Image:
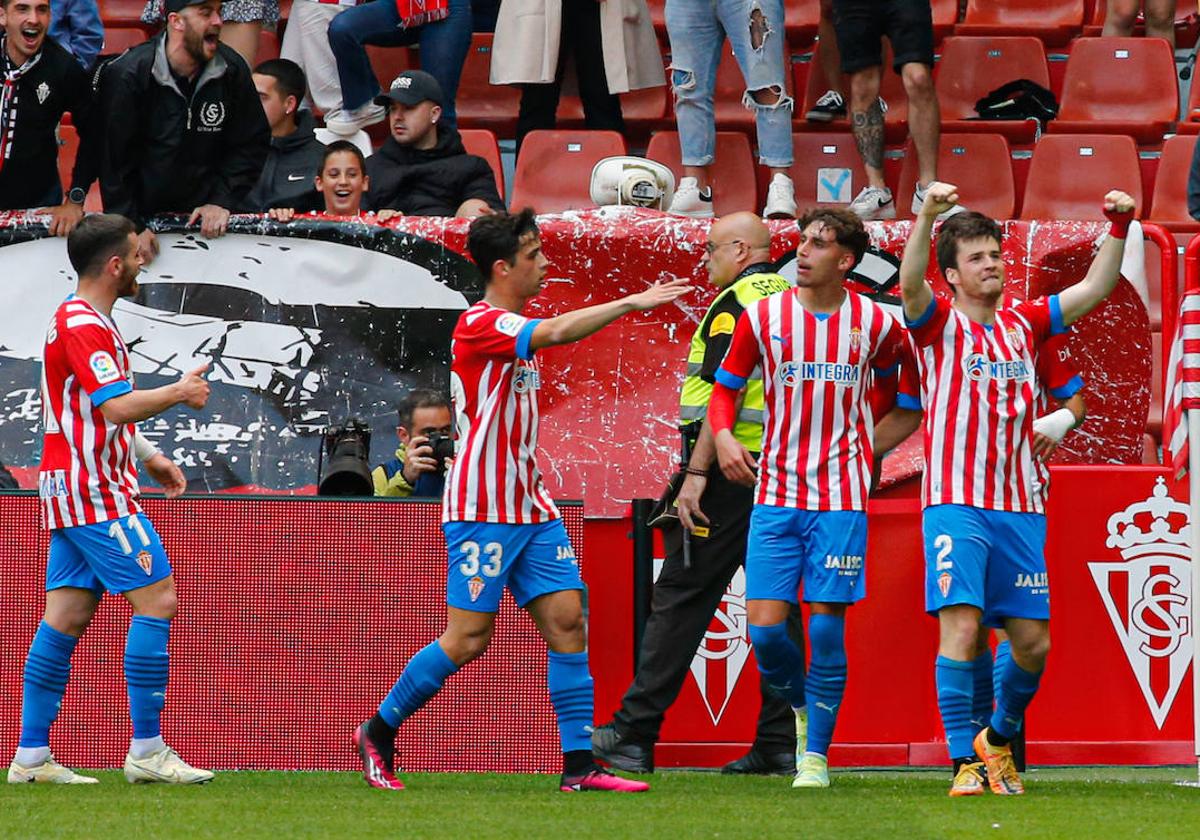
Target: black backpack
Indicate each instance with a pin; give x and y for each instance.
(1019, 100)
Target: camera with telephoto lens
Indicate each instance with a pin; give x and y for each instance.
(343, 467)
(443, 448)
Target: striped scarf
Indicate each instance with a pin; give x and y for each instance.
(8, 98)
(419, 12)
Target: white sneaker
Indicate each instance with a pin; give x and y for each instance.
(690, 201)
(781, 198)
(801, 734)
(347, 123)
(164, 766)
(873, 204)
(919, 199)
(48, 771)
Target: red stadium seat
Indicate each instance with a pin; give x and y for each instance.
(979, 164)
(1169, 206)
(482, 142)
(644, 111)
(945, 16)
(732, 173)
(390, 62)
(117, 39)
(800, 19)
(480, 104)
(1054, 21)
(1119, 86)
(658, 16)
(555, 167)
(68, 148)
(973, 67)
(891, 88)
(268, 47)
(121, 12)
(825, 165)
(1186, 21)
(1070, 173)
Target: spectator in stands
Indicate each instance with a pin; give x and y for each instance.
(422, 169)
(76, 26)
(296, 154)
(243, 22)
(442, 29)
(831, 105)
(200, 139)
(1120, 16)
(860, 26)
(339, 185)
(611, 42)
(416, 471)
(697, 32)
(41, 82)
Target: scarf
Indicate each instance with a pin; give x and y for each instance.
(8, 98)
(419, 12)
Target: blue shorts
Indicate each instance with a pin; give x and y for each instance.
(991, 559)
(118, 555)
(826, 549)
(531, 560)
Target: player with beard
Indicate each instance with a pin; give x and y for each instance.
(184, 131)
(99, 538)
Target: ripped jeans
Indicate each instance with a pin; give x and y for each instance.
(697, 29)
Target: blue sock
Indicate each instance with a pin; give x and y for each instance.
(779, 661)
(955, 681)
(570, 684)
(1014, 690)
(826, 678)
(146, 671)
(421, 679)
(1003, 657)
(981, 700)
(47, 668)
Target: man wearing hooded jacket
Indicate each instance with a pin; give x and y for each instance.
(422, 169)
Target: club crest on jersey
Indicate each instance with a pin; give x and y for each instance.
(526, 379)
(1014, 337)
(944, 580)
(146, 561)
(43, 93)
(475, 588)
(1147, 594)
(855, 338)
(791, 374)
(978, 367)
(509, 324)
(103, 367)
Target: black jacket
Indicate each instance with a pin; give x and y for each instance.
(165, 153)
(56, 84)
(291, 166)
(433, 182)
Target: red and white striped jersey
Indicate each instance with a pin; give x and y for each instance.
(87, 473)
(817, 377)
(979, 390)
(493, 384)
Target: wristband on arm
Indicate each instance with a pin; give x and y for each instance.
(1056, 424)
(143, 449)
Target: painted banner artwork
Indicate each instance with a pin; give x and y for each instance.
(308, 323)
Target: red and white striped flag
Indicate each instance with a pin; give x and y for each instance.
(1183, 382)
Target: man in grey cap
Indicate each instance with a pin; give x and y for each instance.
(422, 168)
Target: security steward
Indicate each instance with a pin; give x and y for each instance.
(705, 529)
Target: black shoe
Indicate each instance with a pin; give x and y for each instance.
(828, 108)
(763, 764)
(608, 747)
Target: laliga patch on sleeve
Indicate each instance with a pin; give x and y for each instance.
(103, 367)
(723, 324)
(510, 324)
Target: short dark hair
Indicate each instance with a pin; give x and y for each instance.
(343, 146)
(96, 239)
(419, 398)
(960, 227)
(289, 78)
(498, 237)
(848, 230)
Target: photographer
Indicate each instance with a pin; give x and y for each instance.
(426, 443)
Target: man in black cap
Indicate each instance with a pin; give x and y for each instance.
(422, 169)
(184, 131)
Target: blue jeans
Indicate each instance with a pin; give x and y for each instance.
(444, 46)
(697, 29)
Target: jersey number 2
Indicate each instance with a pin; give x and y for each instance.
(470, 566)
(118, 533)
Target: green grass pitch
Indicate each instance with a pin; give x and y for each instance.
(1073, 803)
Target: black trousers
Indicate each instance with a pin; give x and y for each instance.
(682, 606)
(580, 38)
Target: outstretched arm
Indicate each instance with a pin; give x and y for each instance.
(1102, 275)
(914, 291)
(581, 323)
(133, 406)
